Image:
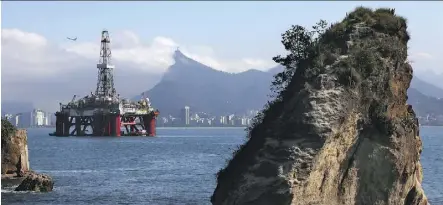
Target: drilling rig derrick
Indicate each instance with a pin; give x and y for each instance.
(103, 113)
(105, 82)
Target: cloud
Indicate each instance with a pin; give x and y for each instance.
(424, 62)
(36, 69)
(421, 55)
(157, 56)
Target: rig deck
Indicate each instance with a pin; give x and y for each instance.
(103, 113)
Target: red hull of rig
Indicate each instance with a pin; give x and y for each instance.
(103, 113)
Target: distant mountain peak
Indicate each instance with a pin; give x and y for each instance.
(179, 57)
(178, 54)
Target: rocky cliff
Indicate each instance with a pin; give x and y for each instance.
(14, 149)
(340, 130)
(15, 162)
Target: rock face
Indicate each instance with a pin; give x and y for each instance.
(36, 182)
(15, 162)
(14, 151)
(342, 132)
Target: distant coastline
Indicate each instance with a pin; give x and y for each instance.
(431, 125)
(214, 127)
(171, 127)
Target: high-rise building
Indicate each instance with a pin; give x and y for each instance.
(244, 121)
(231, 119)
(31, 121)
(37, 117)
(17, 122)
(223, 120)
(47, 120)
(185, 115)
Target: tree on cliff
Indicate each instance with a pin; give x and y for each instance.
(7, 129)
(302, 44)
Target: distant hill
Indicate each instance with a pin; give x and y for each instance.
(432, 78)
(426, 88)
(205, 89)
(423, 104)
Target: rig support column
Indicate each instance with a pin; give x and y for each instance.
(78, 126)
(132, 126)
(66, 125)
(118, 125)
(112, 125)
(152, 128)
(149, 122)
(106, 125)
(59, 124)
(98, 127)
(146, 119)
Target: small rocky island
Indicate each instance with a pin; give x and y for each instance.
(339, 131)
(15, 162)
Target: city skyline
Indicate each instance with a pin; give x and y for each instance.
(189, 118)
(41, 118)
(186, 118)
(34, 118)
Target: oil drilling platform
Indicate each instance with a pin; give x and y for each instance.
(103, 113)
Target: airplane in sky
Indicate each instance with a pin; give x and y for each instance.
(72, 39)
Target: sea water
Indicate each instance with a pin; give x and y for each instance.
(177, 167)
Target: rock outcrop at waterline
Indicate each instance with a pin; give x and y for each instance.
(341, 131)
(36, 182)
(14, 149)
(15, 162)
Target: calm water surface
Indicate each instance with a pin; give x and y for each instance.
(177, 167)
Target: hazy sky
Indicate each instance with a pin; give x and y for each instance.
(40, 64)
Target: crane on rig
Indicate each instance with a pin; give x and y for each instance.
(73, 98)
(72, 101)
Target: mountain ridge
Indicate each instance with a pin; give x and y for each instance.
(190, 83)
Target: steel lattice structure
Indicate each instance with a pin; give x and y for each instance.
(105, 81)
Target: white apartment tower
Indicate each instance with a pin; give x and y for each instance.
(186, 115)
